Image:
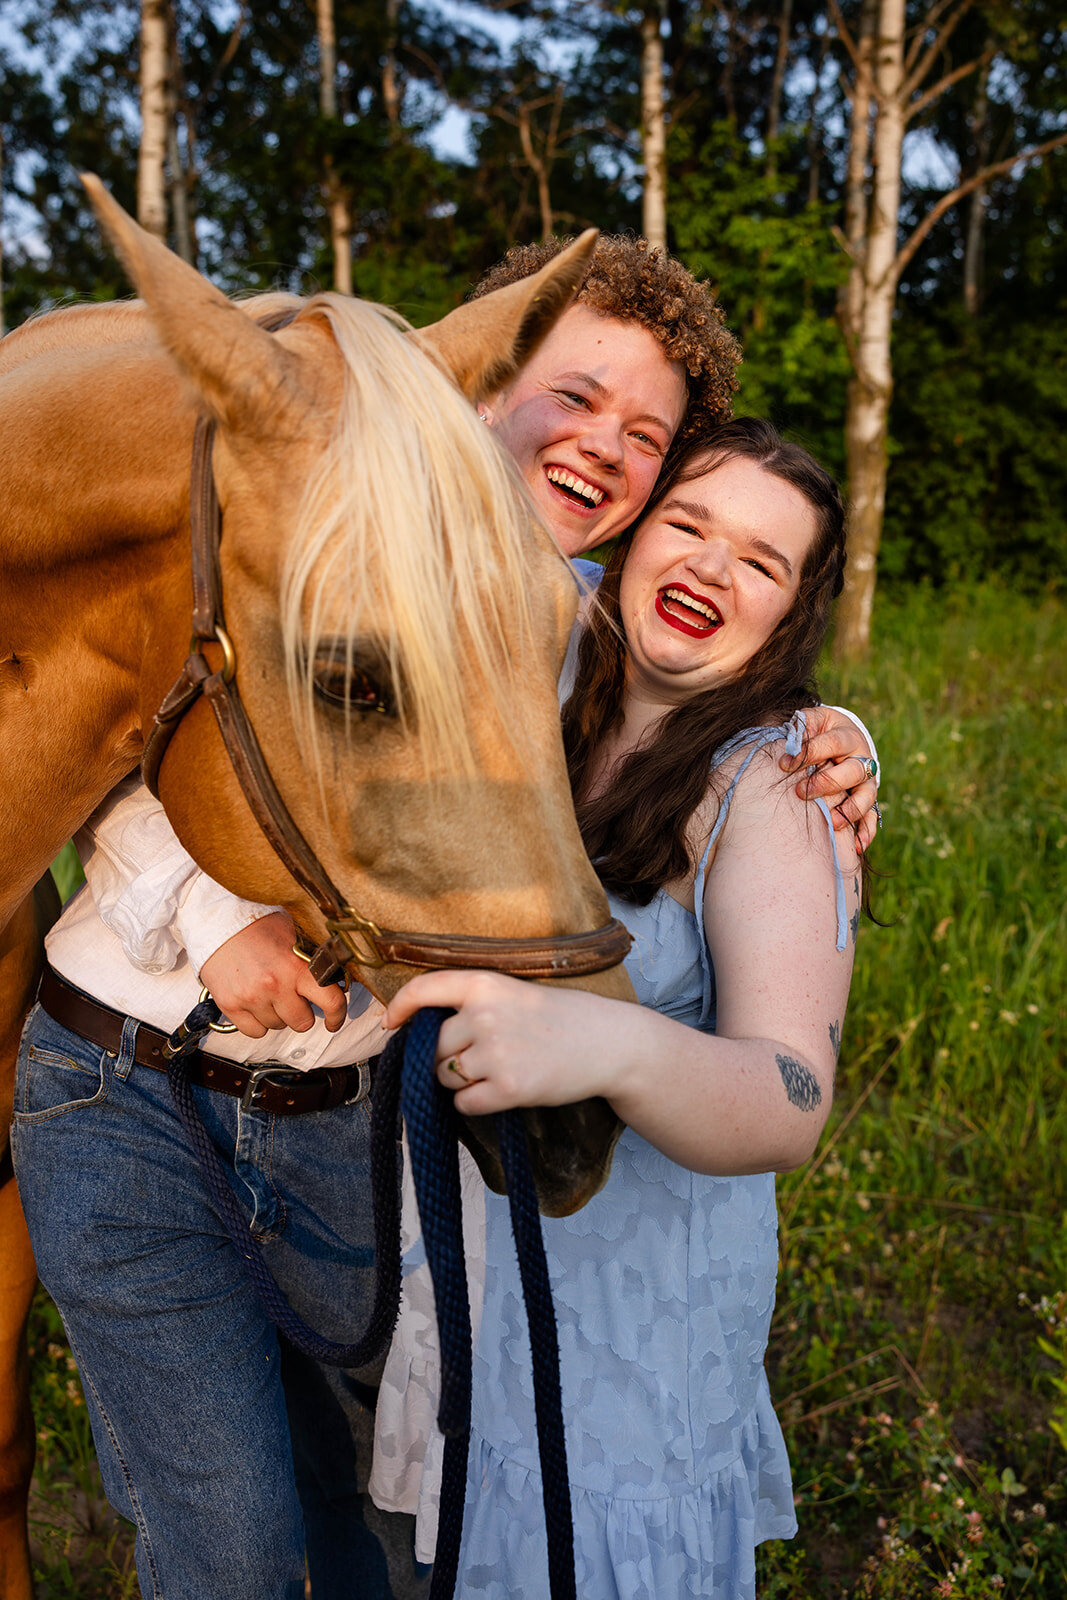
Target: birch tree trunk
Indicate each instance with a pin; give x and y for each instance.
(336, 199)
(653, 128)
(850, 309)
(876, 262)
(151, 181)
(871, 386)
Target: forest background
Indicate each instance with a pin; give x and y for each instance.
(878, 190)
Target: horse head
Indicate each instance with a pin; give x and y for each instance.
(398, 619)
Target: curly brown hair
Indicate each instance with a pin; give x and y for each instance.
(634, 282)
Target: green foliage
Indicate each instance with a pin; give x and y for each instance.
(67, 872)
(77, 122)
(737, 221)
(978, 475)
(1051, 1310)
(81, 1549)
(920, 1399)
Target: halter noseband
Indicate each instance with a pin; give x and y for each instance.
(351, 937)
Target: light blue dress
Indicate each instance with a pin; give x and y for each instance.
(664, 1288)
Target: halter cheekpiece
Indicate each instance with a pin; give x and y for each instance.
(350, 936)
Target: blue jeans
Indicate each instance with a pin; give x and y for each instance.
(231, 1454)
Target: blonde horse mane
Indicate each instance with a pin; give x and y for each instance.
(415, 534)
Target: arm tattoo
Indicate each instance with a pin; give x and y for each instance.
(801, 1085)
(854, 923)
(835, 1038)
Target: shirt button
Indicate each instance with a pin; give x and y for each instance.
(298, 1055)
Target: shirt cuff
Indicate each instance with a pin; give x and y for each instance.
(209, 915)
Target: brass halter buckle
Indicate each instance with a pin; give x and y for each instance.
(352, 924)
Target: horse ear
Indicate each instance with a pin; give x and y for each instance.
(240, 372)
(484, 342)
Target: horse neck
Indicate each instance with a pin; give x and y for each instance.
(94, 577)
(102, 419)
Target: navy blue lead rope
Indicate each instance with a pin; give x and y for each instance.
(406, 1081)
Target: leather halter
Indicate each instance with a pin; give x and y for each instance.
(351, 937)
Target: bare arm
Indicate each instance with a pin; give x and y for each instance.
(752, 1098)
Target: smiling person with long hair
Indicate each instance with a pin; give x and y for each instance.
(693, 675)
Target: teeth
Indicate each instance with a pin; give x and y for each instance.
(694, 605)
(568, 481)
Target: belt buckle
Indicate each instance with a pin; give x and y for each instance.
(364, 1084)
(270, 1072)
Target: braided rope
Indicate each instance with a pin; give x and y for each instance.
(544, 1354)
(431, 1123)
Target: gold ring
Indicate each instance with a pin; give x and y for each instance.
(454, 1066)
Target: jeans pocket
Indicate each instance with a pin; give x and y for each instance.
(58, 1073)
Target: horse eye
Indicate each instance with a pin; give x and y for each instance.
(347, 682)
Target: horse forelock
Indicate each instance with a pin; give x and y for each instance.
(415, 533)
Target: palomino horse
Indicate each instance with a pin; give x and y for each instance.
(397, 619)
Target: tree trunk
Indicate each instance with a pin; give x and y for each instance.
(151, 182)
(179, 195)
(336, 199)
(871, 388)
(972, 253)
(540, 162)
(726, 77)
(178, 169)
(653, 129)
(876, 263)
(815, 134)
(859, 148)
(390, 88)
(774, 110)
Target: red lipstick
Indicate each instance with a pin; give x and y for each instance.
(677, 613)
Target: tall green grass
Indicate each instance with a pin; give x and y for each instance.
(906, 1355)
(915, 1379)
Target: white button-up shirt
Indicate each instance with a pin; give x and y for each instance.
(137, 934)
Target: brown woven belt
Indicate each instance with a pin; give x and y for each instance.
(266, 1086)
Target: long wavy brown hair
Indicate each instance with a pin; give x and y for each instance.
(635, 830)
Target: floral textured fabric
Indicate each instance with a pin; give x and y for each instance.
(664, 1288)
